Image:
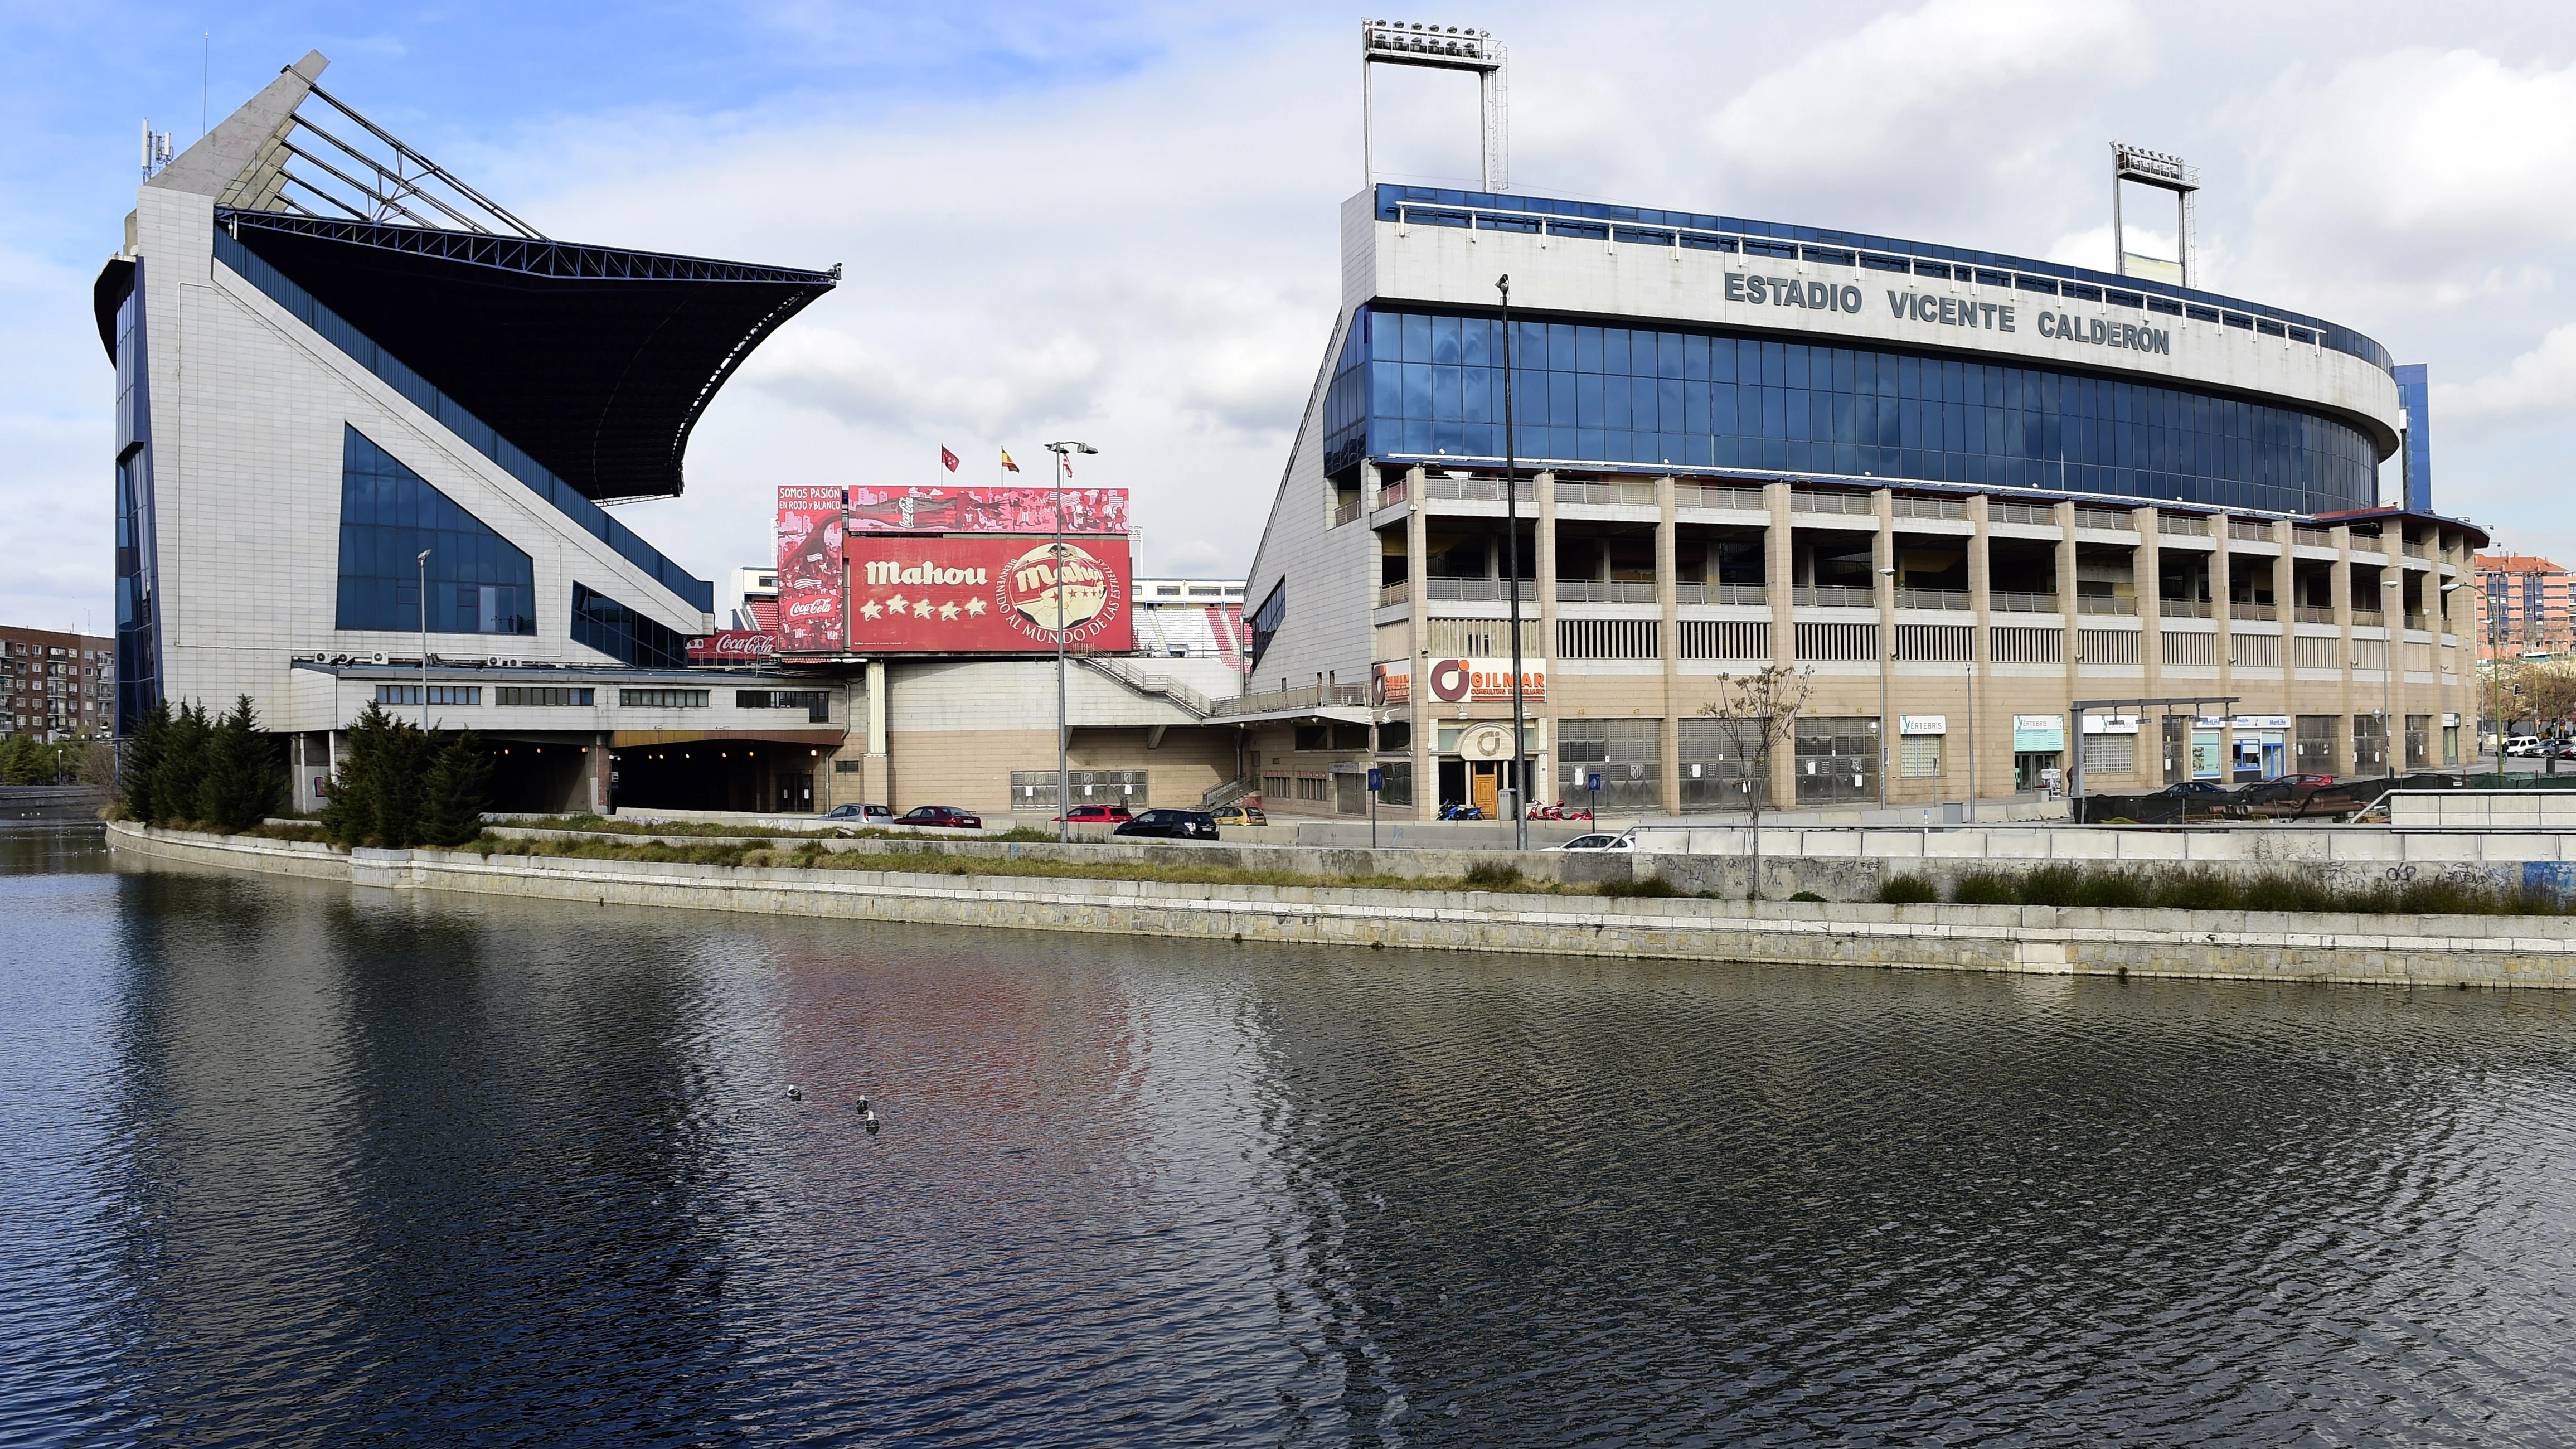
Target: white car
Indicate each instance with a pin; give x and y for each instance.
(1598, 842)
(2521, 746)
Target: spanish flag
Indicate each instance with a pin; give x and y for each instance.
(1006, 461)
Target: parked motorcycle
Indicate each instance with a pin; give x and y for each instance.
(1460, 811)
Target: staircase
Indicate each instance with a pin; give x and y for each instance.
(1225, 794)
(1190, 701)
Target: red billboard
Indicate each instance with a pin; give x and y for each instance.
(809, 569)
(984, 510)
(986, 594)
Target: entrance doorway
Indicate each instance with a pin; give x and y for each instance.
(2034, 769)
(1480, 783)
(795, 794)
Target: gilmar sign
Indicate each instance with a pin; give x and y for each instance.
(1484, 681)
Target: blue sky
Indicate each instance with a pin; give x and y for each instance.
(1118, 223)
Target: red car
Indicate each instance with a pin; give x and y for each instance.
(948, 816)
(1094, 815)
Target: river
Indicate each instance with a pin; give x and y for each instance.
(292, 1164)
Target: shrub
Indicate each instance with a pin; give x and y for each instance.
(1908, 890)
(1652, 886)
(1806, 896)
(1985, 888)
(1493, 876)
(2049, 885)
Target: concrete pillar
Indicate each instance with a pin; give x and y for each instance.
(1667, 570)
(1417, 589)
(2146, 580)
(1778, 553)
(2347, 757)
(2222, 607)
(1882, 557)
(599, 766)
(876, 769)
(1982, 779)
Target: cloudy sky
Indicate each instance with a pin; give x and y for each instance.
(1118, 222)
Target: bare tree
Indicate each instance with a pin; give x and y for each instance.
(1756, 713)
(2547, 688)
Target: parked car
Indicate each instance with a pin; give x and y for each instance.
(863, 814)
(1599, 842)
(1093, 815)
(1239, 815)
(2202, 792)
(946, 816)
(2521, 746)
(1171, 825)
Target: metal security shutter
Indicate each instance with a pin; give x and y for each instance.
(1718, 772)
(1626, 752)
(1837, 760)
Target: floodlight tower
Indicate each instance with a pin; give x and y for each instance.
(2165, 173)
(1401, 42)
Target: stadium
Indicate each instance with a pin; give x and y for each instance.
(2010, 521)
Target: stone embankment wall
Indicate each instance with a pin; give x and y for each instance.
(2230, 945)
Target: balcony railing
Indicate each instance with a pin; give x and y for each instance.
(1346, 513)
(1622, 495)
(2310, 614)
(1713, 495)
(2183, 608)
(2367, 543)
(1475, 591)
(2414, 549)
(2255, 532)
(2313, 537)
(2369, 619)
(1394, 493)
(2100, 605)
(1955, 600)
(2005, 602)
(1304, 696)
(1915, 507)
(2109, 518)
(2257, 613)
(1399, 592)
(1477, 490)
(1829, 596)
(1605, 591)
(2182, 523)
(2039, 513)
(1801, 501)
(1741, 595)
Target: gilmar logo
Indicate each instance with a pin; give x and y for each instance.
(889, 571)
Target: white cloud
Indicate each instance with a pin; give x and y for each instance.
(2538, 384)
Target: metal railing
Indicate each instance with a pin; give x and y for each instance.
(2255, 532)
(1142, 682)
(2009, 602)
(2309, 614)
(1804, 501)
(1830, 596)
(1911, 506)
(1478, 490)
(1394, 493)
(1951, 600)
(2369, 543)
(2182, 523)
(1347, 513)
(2099, 605)
(1225, 793)
(1605, 591)
(2258, 613)
(2111, 519)
(1714, 495)
(1623, 495)
(2413, 549)
(2370, 618)
(2183, 608)
(2313, 537)
(1400, 592)
(1304, 696)
(2039, 513)
(1475, 591)
(1754, 595)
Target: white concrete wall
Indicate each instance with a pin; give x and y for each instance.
(1331, 571)
(248, 411)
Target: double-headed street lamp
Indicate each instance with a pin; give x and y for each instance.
(1063, 771)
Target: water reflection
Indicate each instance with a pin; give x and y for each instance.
(308, 1165)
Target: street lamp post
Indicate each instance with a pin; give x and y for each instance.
(1512, 579)
(1063, 769)
(423, 561)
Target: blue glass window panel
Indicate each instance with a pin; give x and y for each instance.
(389, 514)
(1417, 338)
(1444, 340)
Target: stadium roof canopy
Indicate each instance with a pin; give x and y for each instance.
(596, 361)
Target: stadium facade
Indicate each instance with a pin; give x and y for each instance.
(1961, 492)
(362, 409)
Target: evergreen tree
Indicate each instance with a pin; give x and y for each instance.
(453, 797)
(181, 770)
(242, 783)
(376, 796)
(20, 760)
(143, 760)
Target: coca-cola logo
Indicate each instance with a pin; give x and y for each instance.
(813, 608)
(733, 644)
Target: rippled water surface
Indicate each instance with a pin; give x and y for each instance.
(291, 1164)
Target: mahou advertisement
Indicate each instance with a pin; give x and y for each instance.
(985, 510)
(986, 595)
(809, 570)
